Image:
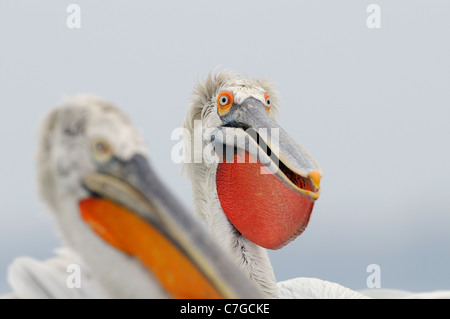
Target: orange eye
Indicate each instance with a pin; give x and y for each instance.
(101, 150)
(224, 102)
(267, 101)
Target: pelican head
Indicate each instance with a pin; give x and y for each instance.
(265, 181)
(112, 209)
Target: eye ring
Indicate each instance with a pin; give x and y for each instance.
(224, 102)
(267, 102)
(101, 150)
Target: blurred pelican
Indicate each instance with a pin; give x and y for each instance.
(128, 234)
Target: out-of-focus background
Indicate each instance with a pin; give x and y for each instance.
(372, 105)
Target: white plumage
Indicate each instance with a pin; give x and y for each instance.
(34, 279)
(314, 288)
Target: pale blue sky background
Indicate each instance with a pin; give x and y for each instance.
(372, 105)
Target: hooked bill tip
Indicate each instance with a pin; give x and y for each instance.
(315, 177)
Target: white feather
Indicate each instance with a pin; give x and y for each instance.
(33, 279)
(381, 293)
(314, 288)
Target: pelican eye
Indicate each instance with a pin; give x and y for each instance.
(101, 150)
(267, 101)
(224, 102)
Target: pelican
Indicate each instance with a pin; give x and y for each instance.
(128, 234)
(254, 186)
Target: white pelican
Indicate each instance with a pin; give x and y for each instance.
(246, 208)
(124, 229)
